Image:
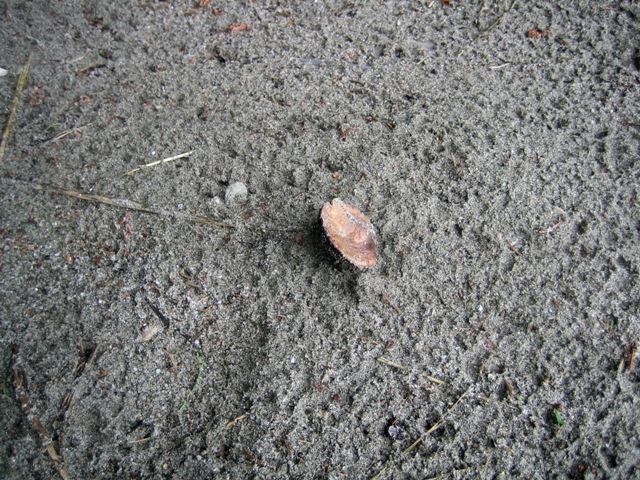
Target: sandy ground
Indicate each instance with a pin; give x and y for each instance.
(495, 147)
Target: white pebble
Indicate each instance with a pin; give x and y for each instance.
(236, 192)
(149, 332)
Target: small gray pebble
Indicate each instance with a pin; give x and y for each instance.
(236, 192)
(396, 432)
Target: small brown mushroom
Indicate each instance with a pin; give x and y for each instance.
(350, 232)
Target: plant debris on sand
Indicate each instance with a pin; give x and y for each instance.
(169, 308)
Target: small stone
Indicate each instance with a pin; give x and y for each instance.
(149, 332)
(350, 232)
(396, 432)
(236, 192)
(3, 72)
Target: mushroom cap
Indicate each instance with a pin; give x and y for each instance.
(350, 232)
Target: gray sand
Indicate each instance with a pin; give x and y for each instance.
(495, 148)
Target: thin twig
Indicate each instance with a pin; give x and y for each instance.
(632, 355)
(513, 248)
(235, 420)
(22, 79)
(548, 230)
(386, 297)
(27, 408)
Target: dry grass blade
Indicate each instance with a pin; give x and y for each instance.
(75, 130)
(436, 426)
(118, 202)
(132, 205)
(435, 380)
(165, 160)
(391, 363)
(22, 79)
(423, 436)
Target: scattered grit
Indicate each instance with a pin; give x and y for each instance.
(168, 323)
